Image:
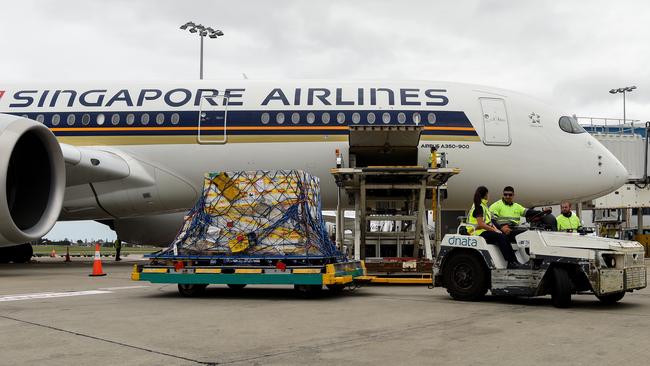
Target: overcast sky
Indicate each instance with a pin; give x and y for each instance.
(569, 53)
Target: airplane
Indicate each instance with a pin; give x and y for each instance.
(133, 155)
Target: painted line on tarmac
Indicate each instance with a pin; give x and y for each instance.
(50, 295)
(122, 288)
(117, 343)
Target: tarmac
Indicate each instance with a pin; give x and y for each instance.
(53, 313)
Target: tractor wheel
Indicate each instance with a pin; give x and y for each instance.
(465, 277)
(561, 290)
(610, 299)
(191, 290)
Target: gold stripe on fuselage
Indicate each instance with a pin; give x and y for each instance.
(190, 140)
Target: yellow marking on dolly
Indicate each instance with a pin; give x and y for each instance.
(305, 270)
(330, 269)
(331, 279)
(248, 270)
(154, 270)
(207, 270)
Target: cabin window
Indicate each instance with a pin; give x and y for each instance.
(311, 118)
(356, 118)
(130, 119)
(401, 117)
(56, 119)
(115, 119)
(71, 119)
(85, 119)
(160, 118)
(175, 118)
(371, 118)
(145, 119)
(265, 118)
(100, 119)
(40, 118)
(570, 125)
(279, 118)
(295, 118)
(385, 117)
(340, 117)
(325, 118)
(431, 118)
(417, 118)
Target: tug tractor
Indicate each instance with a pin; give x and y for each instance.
(555, 263)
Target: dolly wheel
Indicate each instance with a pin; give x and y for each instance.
(465, 277)
(610, 299)
(308, 290)
(561, 291)
(236, 286)
(336, 288)
(191, 290)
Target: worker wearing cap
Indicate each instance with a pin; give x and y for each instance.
(508, 213)
(567, 220)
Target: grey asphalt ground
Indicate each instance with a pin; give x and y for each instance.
(380, 325)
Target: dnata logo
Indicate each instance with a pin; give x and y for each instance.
(2, 92)
(460, 241)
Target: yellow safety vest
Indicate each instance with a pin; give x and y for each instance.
(472, 220)
(504, 212)
(568, 223)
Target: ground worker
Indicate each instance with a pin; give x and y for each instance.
(480, 218)
(567, 220)
(118, 247)
(433, 158)
(508, 213)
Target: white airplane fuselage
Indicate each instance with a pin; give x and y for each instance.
(175, 132)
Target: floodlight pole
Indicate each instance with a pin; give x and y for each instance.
(201, 70)
(202, 31)
(623, 91)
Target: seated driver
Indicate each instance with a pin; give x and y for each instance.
(567, 221)
(507, 213)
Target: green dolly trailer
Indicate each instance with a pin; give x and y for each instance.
(192, 278)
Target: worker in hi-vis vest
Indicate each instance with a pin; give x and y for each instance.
(480, 219)
(508, 213)
(567, 220)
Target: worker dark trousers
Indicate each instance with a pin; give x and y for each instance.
(501, 241)
(117, 254)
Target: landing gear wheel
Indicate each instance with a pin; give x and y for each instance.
(561, 289)
(6, 254)
(465, 277)
(337, 288)
(236, 286)
(610, 299)
(22, 253)
(188, 290)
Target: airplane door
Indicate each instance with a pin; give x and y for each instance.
(213, 115)
(496, 130)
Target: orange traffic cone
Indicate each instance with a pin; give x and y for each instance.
(97, 263)
(53, 253)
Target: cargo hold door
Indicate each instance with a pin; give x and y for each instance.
(213, 114)
(496, 130)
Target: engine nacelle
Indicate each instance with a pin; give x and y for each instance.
(32, 180)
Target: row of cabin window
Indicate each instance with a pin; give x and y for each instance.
(340, 118)
(100, 119)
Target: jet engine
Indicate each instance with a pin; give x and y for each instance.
(32, 180)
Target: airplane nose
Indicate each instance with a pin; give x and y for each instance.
(614, 170)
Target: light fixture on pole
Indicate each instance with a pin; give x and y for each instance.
(623, 90)
(202, 31)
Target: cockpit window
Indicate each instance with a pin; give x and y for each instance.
(570, 125)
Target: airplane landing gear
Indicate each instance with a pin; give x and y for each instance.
(18, 254)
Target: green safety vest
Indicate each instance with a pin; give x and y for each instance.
(117, 244)
(504, 212)
(568, 223)
(487, 218)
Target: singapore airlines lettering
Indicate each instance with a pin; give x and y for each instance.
(180, 97)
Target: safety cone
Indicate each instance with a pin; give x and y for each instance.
(67, 254)
(53, 253)
(97, 263)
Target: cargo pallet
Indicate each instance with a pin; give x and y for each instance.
(194, 274)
